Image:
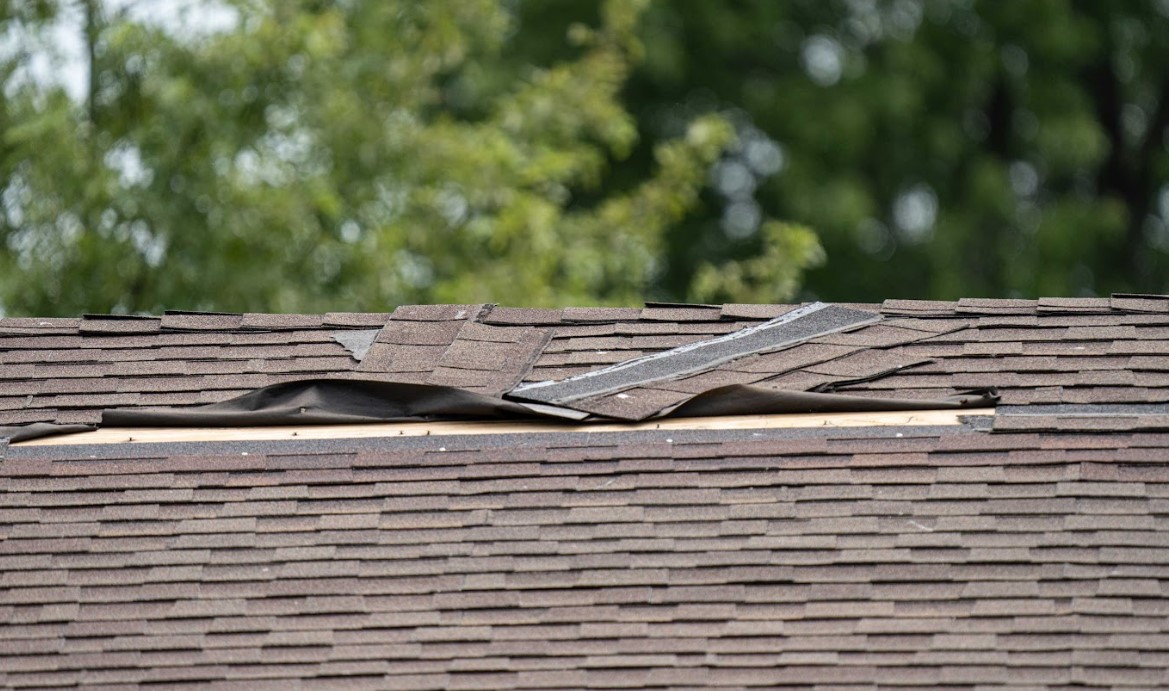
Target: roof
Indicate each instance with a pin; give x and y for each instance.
(1027, 547)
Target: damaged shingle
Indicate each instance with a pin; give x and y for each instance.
(356, 342)
(795, 326)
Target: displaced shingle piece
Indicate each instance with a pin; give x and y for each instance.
(462, 378)
(356, 319)
(176, 320)
(52, 323)
(921, 308)
(437, 312)
(521, 346)
(741, 311)
(789, 358)
(601, 314)
(1082, 423)
(706, 381)
(1073, 305)
(864, 363)
(387, 357)
(551, 373)
(356, 342)
(793, 327)
(509, 361)
(996, 306)
(420, 332)
(1011, 334)
(1101, 333)
(685, 313)
(874, 336)
(473, 331)
(479, 355)
(588, 357)
(1135, 302)
(118, 324)
(631, 404)
(678, 305)
(933, 325)
(38, 326)
(522, 316)
(1137, 347)
(862, 306)
(279, 322)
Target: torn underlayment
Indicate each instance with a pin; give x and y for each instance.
(362, 402)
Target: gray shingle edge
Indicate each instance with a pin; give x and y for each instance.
(357, 343)
(799, 325)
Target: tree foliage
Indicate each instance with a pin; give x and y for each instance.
(329, 154)
(940, 148)
(344, 155)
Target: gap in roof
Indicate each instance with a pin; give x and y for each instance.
(159, 435)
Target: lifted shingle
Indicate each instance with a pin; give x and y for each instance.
(796, 326)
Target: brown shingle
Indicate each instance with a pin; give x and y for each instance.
(1139, 303)
(944, 555)
(200, 321)
(741, 311)
(437, 312)
(922, 308)
(522, 316)
(875, 336)
(118, 324)
(996, 306)
(385, 357)
(356, 319)
(682, 313)
(420, 333)
(601, 314)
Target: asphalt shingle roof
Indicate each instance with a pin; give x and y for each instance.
(1026, 550)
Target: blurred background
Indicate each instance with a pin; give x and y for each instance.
(316, 155)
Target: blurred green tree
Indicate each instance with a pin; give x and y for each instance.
(342, 155)
(940, 148)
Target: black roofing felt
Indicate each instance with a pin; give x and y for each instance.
(352, 401)
(793, 327)
(325, 402)
(37, 430)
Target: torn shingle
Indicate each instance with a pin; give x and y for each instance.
(681, 313)
(522, 316)
(118, 324)
(280, 322)
(1073, 305)
(357, 343)
(995, 306)
(386, 357)
(1133, 302)
(174, 320)
(438, 312)
(473, 331)
(919, 308)
(601, 314)
(356, 319)
(433, 333)
(799, 325)
(740, 311)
